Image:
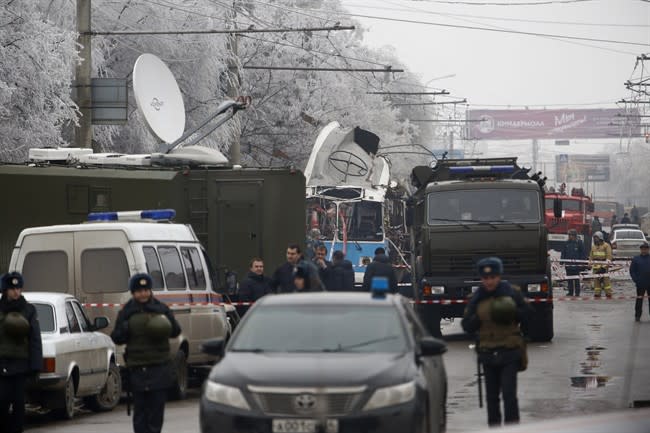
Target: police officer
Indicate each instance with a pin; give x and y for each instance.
(600, 255)
(574, 249)
(145, 325)
(495, 311)
(21, 352)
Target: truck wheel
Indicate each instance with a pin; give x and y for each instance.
(430, 317)
(110, 394)
(179, 388)
(540, 325)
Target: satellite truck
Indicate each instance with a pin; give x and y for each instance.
(237, 213)
(467, 209)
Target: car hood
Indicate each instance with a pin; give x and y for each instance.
(314, 369)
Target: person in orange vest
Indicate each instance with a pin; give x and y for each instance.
(600, 257)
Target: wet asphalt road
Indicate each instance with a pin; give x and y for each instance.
(597, 362)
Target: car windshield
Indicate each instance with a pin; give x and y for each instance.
(605, 207)
(629, 234)
(484, 205)
(321, 328)
(45, 314)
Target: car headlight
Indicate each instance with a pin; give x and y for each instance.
(226, 395)
(534, 288)
(391, 396)
(438, 290)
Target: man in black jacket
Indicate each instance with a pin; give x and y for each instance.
(380, 267)
(256, 284)
(282, 281)
(145, 325)
(21, 351)
(340, 277)
(574, 249)
(640, 273)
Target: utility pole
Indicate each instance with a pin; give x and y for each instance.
(535, 153)
(84, 132)
(233, 90)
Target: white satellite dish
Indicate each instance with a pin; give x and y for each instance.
(159, 98)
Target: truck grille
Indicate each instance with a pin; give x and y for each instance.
(513, 263)
(287, 404)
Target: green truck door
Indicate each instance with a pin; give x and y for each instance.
(236, 223)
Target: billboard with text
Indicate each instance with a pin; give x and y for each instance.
(581, 168)
(552, 124)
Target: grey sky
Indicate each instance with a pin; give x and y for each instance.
(503, 69)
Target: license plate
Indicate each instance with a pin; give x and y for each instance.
(295, 425)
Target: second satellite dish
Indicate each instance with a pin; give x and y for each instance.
(159, 98)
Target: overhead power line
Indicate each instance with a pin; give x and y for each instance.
(300, 68)
(463, 101)
(494, 30)
(216, 31)
(444, 92)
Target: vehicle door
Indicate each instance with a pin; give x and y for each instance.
(177, 295)
(79, 350)
(206, 320)
(97, 349)
(432, 366)
(46, 261)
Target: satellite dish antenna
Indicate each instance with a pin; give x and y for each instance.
(159, 98)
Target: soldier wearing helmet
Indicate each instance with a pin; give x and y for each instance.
(600, 256)
(574, 249)
(145, 325)
(21, 352)
(496, 311)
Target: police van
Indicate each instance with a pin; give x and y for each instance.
(94, 260)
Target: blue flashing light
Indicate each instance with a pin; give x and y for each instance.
(379, 287)
(158, 214)
(102, 216)
(482, 169)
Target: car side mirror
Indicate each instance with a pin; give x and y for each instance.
(408, 217)
(430, 346)
(214, 346)
(557, 208)
(100, 322)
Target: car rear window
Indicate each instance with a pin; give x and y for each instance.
(45, 314)
(629, 234)
(46, 271)
(104, 270)
(172, 267)
(322, 328)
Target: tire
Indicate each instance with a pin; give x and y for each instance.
(68, 398)
(109, 396)
(430, 317)
(540, 327)
(179, 388)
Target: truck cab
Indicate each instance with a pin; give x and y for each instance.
(465, 210)
(577, 211)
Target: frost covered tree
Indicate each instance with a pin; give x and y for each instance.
(37, 60)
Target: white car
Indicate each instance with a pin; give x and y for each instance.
(626, 241)
(78, 361)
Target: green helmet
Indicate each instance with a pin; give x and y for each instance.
(159, 327)
(504, 310)
(16, 326)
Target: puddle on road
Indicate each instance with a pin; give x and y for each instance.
(589, 382)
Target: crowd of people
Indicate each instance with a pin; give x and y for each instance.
(311, 271)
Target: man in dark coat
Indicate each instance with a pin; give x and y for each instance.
(145, 325)
(640, 273)
(282, 280)
(324, 266)
(341, 274)
(21, 351)
(574, 249)
(255, 285)
(380, 267)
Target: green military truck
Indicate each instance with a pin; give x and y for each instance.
(237, 213)
(467, 209)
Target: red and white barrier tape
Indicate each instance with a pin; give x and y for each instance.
(422, 301)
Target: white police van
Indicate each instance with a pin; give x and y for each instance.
(94, 260)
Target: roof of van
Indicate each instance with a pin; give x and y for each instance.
(135, 231)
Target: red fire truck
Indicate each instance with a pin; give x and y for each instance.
(577, 210)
